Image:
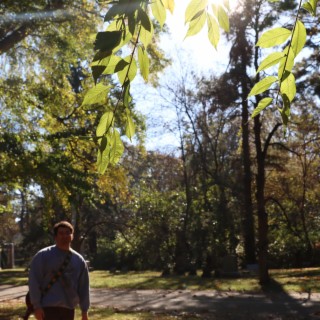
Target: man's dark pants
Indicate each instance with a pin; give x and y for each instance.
(58, 313)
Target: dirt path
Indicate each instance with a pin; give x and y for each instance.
(206, 304)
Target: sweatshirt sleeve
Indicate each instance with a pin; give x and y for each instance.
(35, 274)
(84, 289)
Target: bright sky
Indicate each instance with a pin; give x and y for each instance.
(195, 53)
(202, 54)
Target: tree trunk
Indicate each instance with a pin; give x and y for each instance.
(248, 217)
(262, 215)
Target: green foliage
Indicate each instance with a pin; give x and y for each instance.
(130, 24)
(198, 13)
(97, 94)
(262, 85)
(285, 59)
(270, 60)
(311, 6)
(265, 102)
(273, 37)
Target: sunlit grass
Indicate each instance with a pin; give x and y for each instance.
(18, 277)
(153, 280)
(299, 280)
(14, 310)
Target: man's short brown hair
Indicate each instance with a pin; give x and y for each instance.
(62, 224)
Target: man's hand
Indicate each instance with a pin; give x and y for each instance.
(85, 316)
(39, 314)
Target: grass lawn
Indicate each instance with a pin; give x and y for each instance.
(299, 280)
(15, 310)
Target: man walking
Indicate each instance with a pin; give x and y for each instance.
(59, 278)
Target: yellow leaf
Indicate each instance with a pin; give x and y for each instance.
(193, 9)
(213, 30)
(196, 24)
(299, 38)
(168, 4)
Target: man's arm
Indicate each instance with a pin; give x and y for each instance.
(84, 291)
(35, 274)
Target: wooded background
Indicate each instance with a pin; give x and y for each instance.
(235, 186)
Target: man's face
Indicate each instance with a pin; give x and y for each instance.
(63, 238)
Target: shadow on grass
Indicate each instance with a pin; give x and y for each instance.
(295, 308)
(13, 277)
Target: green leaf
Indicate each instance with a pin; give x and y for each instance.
(105, 123)
(115, 25)
(129, 71)
(144, 19)
(159, 12)
(96, 72)
(103, 143)
(313, 4)
(126, 94)
(146, 35)
(262, 85)
(307, 6)
(270, 60)
(112, 65)
(102, 162)
(104, 61)
(126, 34)
(103, 159)
(107, 40)
(112, 151)
(101, 55)
(113, 12)
(132, 23)
(213, 30)
(265, 102)
(288, 86)
(130, 126)
(287, 63)
(122, 64)
(116, 147)
(311, 7)
(196, 24)
(97, 94)
(193, 9)
(273, 37)
(223, 19)
(286, 101)
(285, 111)
(143, 63)
(299, 38)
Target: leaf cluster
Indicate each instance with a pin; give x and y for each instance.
(129, 25)
(294, 41)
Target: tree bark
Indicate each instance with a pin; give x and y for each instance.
(13, 33)
(262, 215)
